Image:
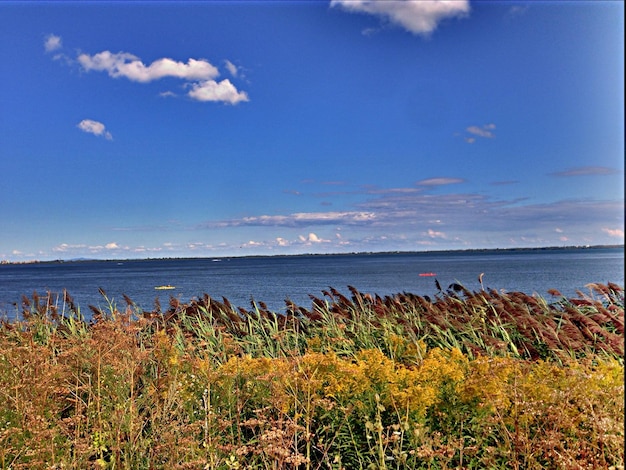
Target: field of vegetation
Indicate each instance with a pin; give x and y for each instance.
(479, 379)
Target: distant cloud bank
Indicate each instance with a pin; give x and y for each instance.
(418, 17)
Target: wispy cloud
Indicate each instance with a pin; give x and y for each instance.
(52, 43)
(95, 128)
(505, 183)
(614, 232)
(485, 131)
(459, 213)
(232, 68)
(402, 221)
(585, 171)
(108, 249)
(418, 17)
(395, 190)
(293, 192)
(517, 10)
(435, 234)
(68, 247)
(64, 247)
(439, 181)
(296, 219)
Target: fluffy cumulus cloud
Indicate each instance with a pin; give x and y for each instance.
(199, 74)
(52, 43)
(418, 17)
(210, 90)
(123, 64)
(95, 128)
(311, 238)
(280, 241)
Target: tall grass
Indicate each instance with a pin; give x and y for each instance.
(465, 380)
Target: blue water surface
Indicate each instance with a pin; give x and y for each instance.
(274, 279)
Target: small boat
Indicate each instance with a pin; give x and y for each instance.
(427, 274)
(167, 287)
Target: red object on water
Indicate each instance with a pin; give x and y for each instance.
(427, 274)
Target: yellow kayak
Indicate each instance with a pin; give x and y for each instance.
(167, 287)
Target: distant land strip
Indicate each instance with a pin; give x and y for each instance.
(352, 253)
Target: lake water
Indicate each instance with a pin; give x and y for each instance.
(273, 279)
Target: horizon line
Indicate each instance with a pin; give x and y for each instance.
(350, 253)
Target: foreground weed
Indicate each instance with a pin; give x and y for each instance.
(366, 382)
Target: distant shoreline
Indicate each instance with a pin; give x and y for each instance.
(297, 255)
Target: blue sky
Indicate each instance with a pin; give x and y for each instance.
(135, 130)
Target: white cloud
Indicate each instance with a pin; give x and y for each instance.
(63, 247)
(200, 74)
(517, 10)
(52, 43)
(232, 68)
(473, 215)
(210, 90)
(111, 246)
(124, 64)
(418, 17)
(614, 232)
(299, 219)
(95, 128)
(439, 181)
(586, 171)
(485, 131)
(311, 238)
(394, 190)
(435, 234)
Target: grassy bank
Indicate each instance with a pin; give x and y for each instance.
(465, 380)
